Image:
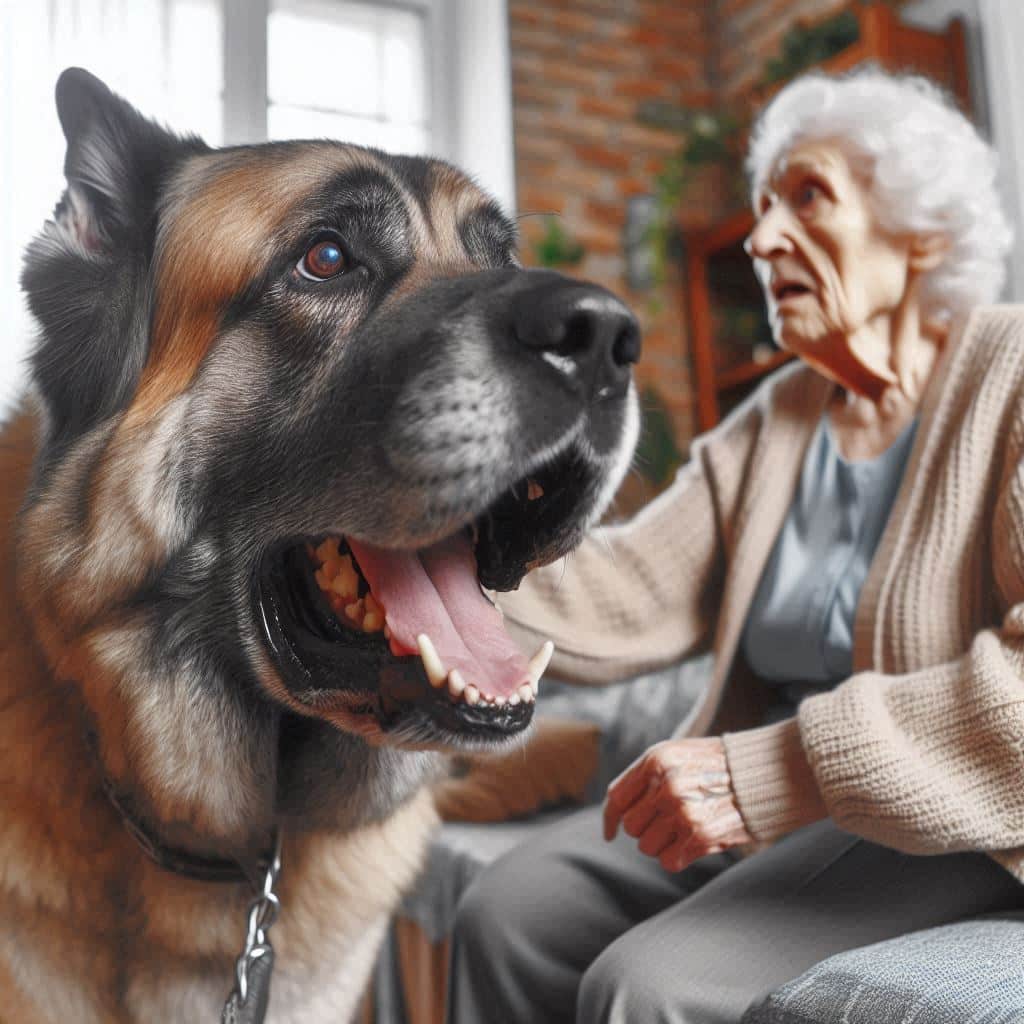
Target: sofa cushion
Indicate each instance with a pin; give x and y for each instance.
(971, 972)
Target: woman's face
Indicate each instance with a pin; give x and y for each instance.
(827, 268)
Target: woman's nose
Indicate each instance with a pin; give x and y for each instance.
(769, 237)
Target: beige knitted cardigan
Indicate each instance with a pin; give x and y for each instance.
(922, 748)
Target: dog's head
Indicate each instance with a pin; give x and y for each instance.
(300, 402)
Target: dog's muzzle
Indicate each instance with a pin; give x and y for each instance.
(488, 419)
(582, 331)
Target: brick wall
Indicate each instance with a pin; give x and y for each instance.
(580, 68)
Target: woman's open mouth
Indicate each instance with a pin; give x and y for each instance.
(399, 634)
(786, 291)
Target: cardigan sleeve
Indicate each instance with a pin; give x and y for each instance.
(640, 595)
(931, 761)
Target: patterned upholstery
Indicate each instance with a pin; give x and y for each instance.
(966, 973)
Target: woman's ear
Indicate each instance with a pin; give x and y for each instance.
(928, 251)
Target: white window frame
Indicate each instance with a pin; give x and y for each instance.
(469, 76)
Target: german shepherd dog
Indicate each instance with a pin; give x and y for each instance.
(292, 408)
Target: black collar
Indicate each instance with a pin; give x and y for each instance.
(181, 862)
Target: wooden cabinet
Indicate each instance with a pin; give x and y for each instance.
(729, 333)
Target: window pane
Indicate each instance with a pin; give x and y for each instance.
(404, 67)
(325, 56)
(195, 68)
(328, 61)
(285, 122)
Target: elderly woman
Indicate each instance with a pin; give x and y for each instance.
(850, 542)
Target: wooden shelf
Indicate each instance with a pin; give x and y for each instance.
(717, 251)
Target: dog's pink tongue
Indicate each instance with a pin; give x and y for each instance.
(435, 591)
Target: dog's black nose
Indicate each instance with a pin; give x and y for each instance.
(583, 331)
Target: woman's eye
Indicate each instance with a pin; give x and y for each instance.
(323, 259)
(807, 194)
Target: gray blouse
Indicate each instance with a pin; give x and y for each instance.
(799, 631)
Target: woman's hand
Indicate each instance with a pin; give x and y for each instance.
(677, 799)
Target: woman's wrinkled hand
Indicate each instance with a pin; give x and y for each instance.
(677, 799)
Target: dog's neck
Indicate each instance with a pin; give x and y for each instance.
(209, 771)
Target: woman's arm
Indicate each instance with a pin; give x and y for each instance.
(640, 595)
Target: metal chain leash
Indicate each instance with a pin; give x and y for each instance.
(247, 1003)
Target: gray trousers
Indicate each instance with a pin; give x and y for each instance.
(567, 927)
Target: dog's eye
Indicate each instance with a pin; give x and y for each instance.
(324, 258)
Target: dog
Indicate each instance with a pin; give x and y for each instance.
(294, 409)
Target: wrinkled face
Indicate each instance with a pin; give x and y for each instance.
(301, 407)
(827, 267)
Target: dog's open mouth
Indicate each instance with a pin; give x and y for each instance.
(404, 633)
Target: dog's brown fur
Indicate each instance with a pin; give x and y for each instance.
(92, 930)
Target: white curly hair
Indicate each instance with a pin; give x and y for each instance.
(927, 168)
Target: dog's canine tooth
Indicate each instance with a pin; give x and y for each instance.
(525, 693)
(456, 684)
(539, 663)
(472, 694)
(431, 661)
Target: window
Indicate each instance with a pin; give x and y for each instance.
(408, 76)
(163, 54)
(353, 71)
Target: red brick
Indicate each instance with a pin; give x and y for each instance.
(599, 239)
(646, 37)
(677, 67)
(638, 186)
(642, 88)
(577, 22)
(538, 41)
(586, 129)
(610, 214)
(584, 181)
(538, 199)
(527, 14)
(535, 95)
(532, 146)
(690, 12)
(649, 140)
(614, 56)
(604, 156)
(612, 108)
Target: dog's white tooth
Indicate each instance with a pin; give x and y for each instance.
(539, 663)
(472, 694)
(526, 693)
(456, 684)
(500, 701)
(514, 700)
(431, 661)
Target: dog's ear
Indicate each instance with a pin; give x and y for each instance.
(87, 276)
(115, 162)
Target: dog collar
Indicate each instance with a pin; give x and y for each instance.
(181, 862)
